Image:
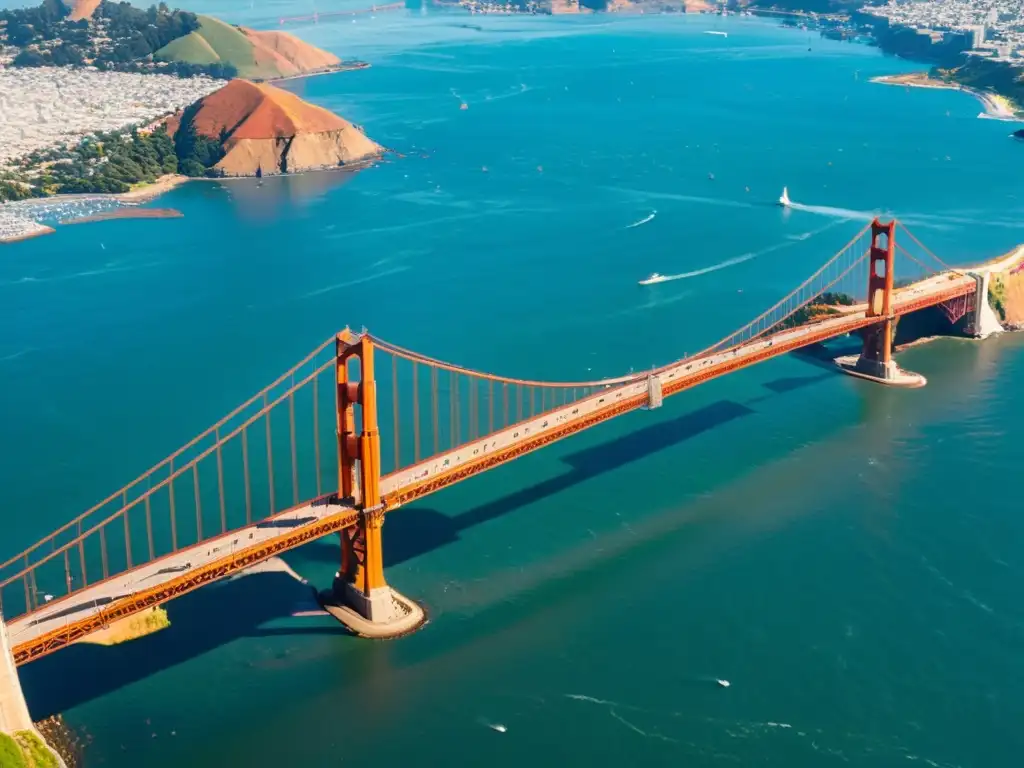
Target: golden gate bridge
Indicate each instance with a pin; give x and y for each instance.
(360, 427)
(317, 15)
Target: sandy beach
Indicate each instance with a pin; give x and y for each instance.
(997, 107)
(146, 192)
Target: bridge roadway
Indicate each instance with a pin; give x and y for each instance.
(74, 616)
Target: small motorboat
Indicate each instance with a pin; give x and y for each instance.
(654, 278)
(784, 200)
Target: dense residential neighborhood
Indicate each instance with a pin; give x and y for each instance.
(49, 106)
(996, 27)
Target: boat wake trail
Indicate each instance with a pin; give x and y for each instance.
(356, 281)
(846, 214)
(815, 232)
(643, 221)
(753, 254)
(715, 267)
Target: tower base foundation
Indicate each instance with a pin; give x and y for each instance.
(889, 373)
(384, 613)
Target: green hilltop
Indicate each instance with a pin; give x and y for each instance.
(216, 42)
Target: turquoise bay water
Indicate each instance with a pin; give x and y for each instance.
(847, 556)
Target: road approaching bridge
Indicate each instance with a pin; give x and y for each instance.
(447, 424)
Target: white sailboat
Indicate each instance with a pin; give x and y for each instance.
(784, 199)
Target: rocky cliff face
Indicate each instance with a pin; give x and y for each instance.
(1006, 293)
(266, 128)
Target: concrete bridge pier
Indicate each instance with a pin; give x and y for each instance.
(875, 363)
(360, 598)
(983, 321)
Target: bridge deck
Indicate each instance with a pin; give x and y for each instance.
(501, 446)
(89, 609)
(72, 617)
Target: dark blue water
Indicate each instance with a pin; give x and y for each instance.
(845, 555)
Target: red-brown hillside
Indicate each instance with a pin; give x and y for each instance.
(286, 53)
(259, 111)
(273, 129)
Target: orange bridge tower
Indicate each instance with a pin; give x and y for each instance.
(360, 597)
(875, 361)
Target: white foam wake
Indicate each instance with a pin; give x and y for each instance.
(846, 214)
(753, 254)
(714, 267)
(643, 221)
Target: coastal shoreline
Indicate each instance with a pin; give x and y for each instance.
(350, 67)
(996, 107)
(146, 192)
(38, 231)
(143, 193)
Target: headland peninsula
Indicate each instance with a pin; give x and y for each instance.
(977, 45)
(995, 105)
(101, 98)
(116, 36)
(240, 129)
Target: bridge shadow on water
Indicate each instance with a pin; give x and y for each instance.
(221, 613)
(417, 530)
(201, 621)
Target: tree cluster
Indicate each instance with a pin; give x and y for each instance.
(816, 308)
(997, 76)
(110, 163)
(197, 154)
(139, 33)
(27, 25)
(120, 37)
(113, 162)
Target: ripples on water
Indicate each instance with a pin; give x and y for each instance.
(844, 555)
